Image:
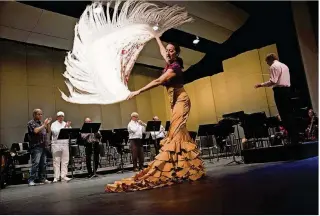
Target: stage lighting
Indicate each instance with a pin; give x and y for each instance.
(156, 27)
(196, 41)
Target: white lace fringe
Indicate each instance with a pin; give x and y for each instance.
(94, 24)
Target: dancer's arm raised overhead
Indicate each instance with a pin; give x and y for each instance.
(163, 50)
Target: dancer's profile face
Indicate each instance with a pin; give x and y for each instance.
(171, 52)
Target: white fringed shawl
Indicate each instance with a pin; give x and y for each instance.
(105, 49)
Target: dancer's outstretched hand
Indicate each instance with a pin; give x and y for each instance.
(133, 94)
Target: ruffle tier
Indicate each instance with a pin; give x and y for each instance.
(177, 161)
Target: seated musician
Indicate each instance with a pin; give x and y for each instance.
(89, 140)
(136, 128)
(158, 135)
(312, 129)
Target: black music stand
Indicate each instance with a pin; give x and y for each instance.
(107, 136)
(121, 137)
(167, 126)
(255, 126)
(153, 126)
(69, 133)
(226, 128)
(91, 128)
(236, 117)
(208, 130)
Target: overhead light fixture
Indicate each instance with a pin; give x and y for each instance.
(196, 41)
(156, 27)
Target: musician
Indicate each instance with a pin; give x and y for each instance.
(312, 129)
(157, 135)
(60, 149)
(280, 81)
(89, 140)
(136, 128)
(37, 132)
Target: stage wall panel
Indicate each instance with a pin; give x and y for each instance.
(30, 77)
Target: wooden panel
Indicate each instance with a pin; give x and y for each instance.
(126, 108)
(39, 66)
(43, 98)
(14, 106)
(204, 100)
(143, 100)
(90, 111)
(158, 104)
(13, 66)
(220, 94)
(111, 116)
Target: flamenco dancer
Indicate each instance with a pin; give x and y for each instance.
(179, 157)
(98, 69)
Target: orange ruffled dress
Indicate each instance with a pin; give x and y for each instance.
(179, 158)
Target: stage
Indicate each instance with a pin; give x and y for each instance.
(265, 188)
(281, 153)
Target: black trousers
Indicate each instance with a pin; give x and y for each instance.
(285, 109)
(157, 145)
(88, 150)
(137, 153)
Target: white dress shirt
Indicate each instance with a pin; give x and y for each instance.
(279, 75)
(158, 134)
(55, 130)
(135, 130)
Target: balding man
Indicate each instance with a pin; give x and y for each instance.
(136, 128)
(91, 141)
(37, 132)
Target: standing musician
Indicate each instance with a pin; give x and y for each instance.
(89, 139)
(60, 149)
(136, 128)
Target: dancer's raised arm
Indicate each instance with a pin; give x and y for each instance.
(163, 50)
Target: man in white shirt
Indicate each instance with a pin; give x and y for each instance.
(136, 128)
(157, 135)
(280, 82)
(60, 149)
